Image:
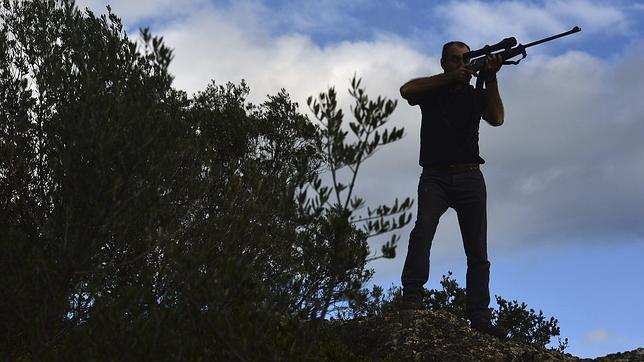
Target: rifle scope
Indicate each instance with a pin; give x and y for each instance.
(506, 44)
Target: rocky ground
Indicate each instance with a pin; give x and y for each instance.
(425, 335)
(634, 355)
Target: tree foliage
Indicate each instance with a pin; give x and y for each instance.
(140, 223)
(370, 116)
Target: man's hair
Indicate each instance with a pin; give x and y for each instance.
(449, 44)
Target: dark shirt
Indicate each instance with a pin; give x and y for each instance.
(449, 132)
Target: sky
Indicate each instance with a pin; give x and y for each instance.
(564, 174)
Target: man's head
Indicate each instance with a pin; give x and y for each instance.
(452, 56)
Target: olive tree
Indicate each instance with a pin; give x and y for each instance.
(140, 222)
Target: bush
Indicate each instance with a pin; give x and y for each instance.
(524, 324)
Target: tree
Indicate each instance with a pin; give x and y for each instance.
(338, 153)
(138, 222)
(370, 116)
(86, 168)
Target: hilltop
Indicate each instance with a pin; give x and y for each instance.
(425, 335)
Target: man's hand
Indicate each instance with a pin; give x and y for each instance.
(461, 75)
(493, 63)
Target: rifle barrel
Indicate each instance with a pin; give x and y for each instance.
(571, 31)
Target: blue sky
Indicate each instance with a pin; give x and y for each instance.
(564, 173)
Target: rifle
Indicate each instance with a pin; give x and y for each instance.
(510, 50)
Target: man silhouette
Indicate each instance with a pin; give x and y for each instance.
(449, 155)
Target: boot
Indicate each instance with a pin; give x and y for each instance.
(411, 302)
(486, 327)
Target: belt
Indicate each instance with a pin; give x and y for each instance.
(459, 167)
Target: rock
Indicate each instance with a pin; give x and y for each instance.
(634, 355)
(424, 335)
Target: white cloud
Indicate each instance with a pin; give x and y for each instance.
(599, 17)
(597, 335)
(214, 45)
(484, 22)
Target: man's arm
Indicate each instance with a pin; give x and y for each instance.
(493, 112)
(414, 90)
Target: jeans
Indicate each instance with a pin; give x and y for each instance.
(465, 192)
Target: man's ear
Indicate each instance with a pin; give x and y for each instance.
(442, 63)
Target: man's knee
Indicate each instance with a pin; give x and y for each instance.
(423, 229)
(478, 263)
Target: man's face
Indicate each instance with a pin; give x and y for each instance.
(453, 58)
